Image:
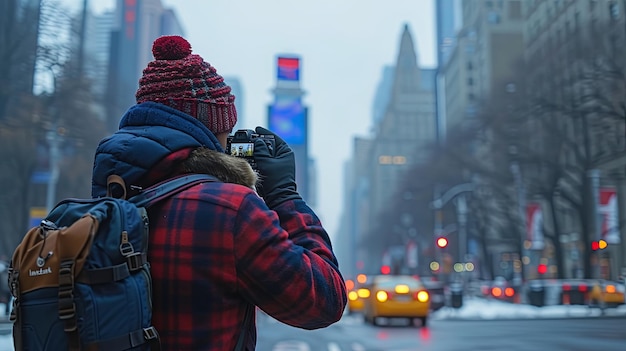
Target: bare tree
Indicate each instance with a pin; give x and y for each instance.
(18, 41)
(64, 107)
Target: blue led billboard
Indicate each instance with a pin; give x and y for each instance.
(287, 118)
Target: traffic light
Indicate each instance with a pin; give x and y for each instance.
(385, 269)
(442, 242)
(598, 245)
(542, 268)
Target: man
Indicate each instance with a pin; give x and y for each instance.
(218, 249)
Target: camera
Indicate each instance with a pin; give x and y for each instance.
(241, 144)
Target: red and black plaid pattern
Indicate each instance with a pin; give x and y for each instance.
(186, 82)
(216, 247)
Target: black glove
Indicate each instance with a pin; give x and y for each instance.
(277, 168)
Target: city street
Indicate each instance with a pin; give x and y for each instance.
(446, 335)
(479, 325)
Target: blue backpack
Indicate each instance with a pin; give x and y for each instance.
(81, 280)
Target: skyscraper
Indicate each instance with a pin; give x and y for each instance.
(97, 47)
(446, 29)
(446, 40)
(137, 24)
(288, 117)
(407, 123)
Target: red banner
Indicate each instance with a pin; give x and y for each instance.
(607, 210)
(534, 225)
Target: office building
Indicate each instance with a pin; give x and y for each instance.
(137, 23)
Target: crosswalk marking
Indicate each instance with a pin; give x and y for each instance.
(296, 345)
(291, 345)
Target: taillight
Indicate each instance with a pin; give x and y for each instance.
(382, 296)
(509, 292)
(496, 291)
(422, 296)
(582, 288)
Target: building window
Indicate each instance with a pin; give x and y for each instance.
(470, 81)
(515, 10)
(384, 159)
(389, 159)
(493, 17)
(399, 160)
(614, 10)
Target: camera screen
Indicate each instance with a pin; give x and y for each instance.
(242, 149)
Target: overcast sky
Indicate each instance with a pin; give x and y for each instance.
(343, 45)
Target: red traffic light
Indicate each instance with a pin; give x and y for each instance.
(385, 269)
(595, 246)
(542, 269)
(442, 242)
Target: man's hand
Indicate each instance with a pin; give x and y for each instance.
(277, 169)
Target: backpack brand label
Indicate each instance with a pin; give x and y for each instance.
(40, 271)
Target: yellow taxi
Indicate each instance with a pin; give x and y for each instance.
(357, 293)
(606, 293)
(396, 296)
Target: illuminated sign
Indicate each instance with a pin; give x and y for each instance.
(288, 68)
(288, 120)
(130, 16)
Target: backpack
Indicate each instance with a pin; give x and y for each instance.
(81, 279)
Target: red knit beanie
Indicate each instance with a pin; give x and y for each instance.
(184, 81)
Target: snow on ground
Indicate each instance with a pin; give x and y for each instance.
(479, 308)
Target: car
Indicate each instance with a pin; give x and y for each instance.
(436, 290)
(396, 296)
(356, 297)
(575, 291)
(356, 293)
(606, 293)
(499, 289)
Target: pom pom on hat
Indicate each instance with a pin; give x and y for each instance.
(171, 47)
(186, 82)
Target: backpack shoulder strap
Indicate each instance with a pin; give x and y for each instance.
(158, 192)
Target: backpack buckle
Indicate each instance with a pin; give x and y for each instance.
(150, 333)
(135, 261)
(126, 248)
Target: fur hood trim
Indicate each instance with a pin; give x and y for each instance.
(227, 168)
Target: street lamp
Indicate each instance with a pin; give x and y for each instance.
(458, 193)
